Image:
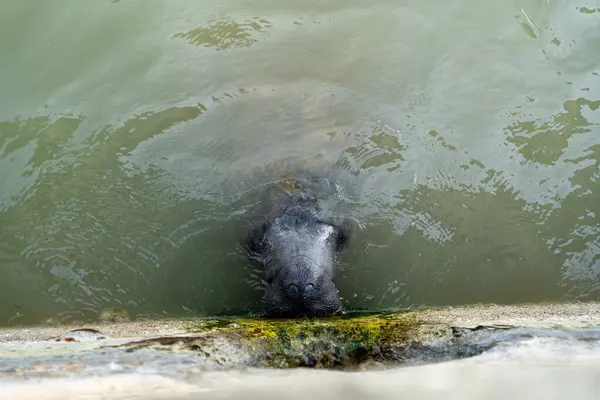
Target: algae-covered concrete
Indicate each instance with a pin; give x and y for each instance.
(124, 352)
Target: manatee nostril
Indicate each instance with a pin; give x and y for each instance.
(293, 289)
(309, 288)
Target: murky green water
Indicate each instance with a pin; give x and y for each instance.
(133, 134)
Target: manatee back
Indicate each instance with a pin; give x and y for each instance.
(293, 209)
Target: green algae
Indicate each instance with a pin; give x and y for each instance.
(340, 341)
(112, 315)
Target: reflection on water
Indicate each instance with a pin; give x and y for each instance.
(226, 34)
(377, 149)
(545, 143)
(466, 140)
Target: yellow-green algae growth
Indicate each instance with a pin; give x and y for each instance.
(343, 341)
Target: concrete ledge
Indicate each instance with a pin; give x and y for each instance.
(486, 351)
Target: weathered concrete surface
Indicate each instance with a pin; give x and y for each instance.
(481, 352)
(456, 380)
(533, 315)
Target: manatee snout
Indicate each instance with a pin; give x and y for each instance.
(302, 289)
(300, 280)
(296, 291)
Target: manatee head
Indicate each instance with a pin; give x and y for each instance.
(299, 248)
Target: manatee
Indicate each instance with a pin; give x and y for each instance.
(299, 250)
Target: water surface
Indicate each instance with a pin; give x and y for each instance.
(135, 135)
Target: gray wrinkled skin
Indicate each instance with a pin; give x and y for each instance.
(299, 251)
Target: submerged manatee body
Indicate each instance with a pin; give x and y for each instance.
(299, 251)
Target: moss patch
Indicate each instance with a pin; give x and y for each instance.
(341, 341)
(112, 315)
